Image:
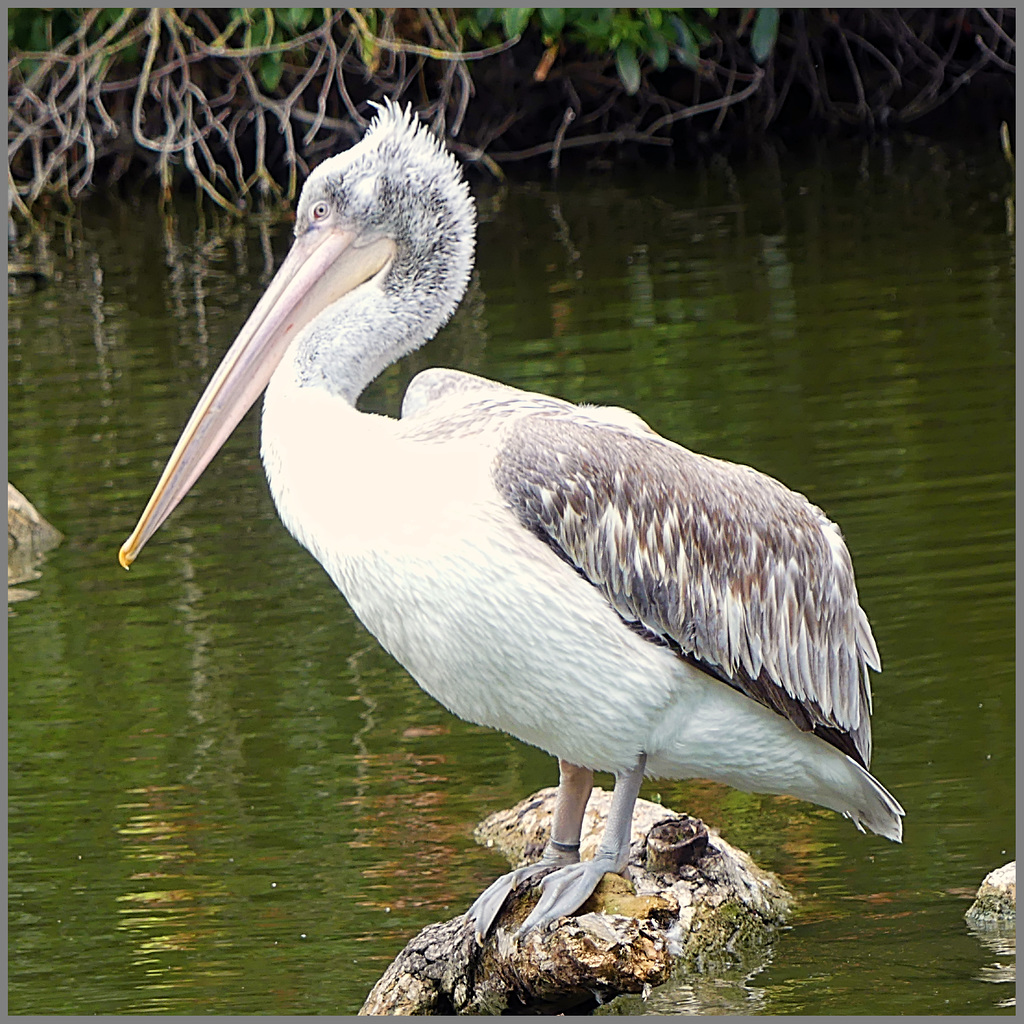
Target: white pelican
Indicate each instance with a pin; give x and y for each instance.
(559, 572)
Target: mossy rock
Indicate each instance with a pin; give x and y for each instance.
(996, 902)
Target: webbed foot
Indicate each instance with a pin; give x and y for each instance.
(566, 889)
(569, 882)
(487, 906)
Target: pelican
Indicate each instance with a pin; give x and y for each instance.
(559, 572)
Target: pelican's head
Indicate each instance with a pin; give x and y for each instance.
(383, 248)
(400, 197)
(398, 205)
(400, 188)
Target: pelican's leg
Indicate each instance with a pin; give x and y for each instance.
(568, 888)
(574, 786)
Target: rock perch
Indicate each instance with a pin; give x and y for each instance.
(690, 896)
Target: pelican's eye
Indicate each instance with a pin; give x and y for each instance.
(319, 211)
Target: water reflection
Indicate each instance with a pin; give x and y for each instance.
(224, 796)
(999, 941)
(731, 989)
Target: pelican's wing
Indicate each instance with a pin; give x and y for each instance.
(741, 576)
(436, 385)
(444, 404)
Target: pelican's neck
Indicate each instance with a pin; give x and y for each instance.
(343, 350)
(310, 416)
(320, 453)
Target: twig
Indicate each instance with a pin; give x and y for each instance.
(894, 73)
(428, 51)
(999, 30)
(624, 135)
(567, 119)
(724, 102)
(704, 108)
(863, 110)
(993, 56)
(196, 105)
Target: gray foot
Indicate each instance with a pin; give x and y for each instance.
(565, 890)
(569, 883)
(488, 904)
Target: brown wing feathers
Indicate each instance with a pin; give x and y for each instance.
(741, 576)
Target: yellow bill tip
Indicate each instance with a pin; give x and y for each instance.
(126, 555)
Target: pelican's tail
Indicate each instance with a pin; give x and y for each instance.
(870, 805)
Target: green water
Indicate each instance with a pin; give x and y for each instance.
(225, 798)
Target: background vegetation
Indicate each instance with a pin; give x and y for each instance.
(241, 102)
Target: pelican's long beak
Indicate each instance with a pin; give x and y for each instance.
(324, 263)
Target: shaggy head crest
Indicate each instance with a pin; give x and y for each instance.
(400, 150)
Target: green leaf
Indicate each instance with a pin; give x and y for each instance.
(262, 27)
(271, 67)
(592, 24)
(515, 19)
(28, 28)
(104, 20)
(552, 21)
(701, 33)
(625, 28)
(657, 49)
(688, 51)
(628, 67)
(766, 31)
(43, 35)
(484, 17)
(295, 18)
